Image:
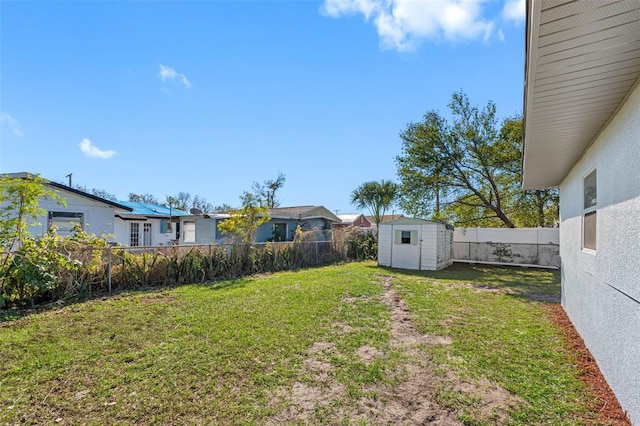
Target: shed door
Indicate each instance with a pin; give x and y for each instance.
(406, 248)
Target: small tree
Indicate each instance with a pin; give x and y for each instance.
(377, 197)
(20, 209)
(242, 223)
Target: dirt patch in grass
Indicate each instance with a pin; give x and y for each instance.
(491, 401)
(321, 398)
(606, 405)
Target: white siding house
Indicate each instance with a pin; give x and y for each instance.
(94, 214)
(419, 244)
(147, 225)
(582, 134)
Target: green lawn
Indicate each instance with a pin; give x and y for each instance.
(231, 352)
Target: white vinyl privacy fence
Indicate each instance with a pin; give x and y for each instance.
(528, 246)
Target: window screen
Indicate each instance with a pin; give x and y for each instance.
(589, 219)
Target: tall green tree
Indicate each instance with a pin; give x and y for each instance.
(242, 223)
(377, 197)
(468, 170)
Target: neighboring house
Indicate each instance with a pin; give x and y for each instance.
(147, 225)
(358, 220)
(418, 244)
(582, 135)
(94, 214)
(202, 229)
(284, 221)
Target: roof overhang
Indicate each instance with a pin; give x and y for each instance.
(582, 62)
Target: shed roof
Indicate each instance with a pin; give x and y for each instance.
(385, 218)
(582, 61)
(413, 221)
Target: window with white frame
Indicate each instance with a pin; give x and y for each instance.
(65, 222)
(406, 237)
(589, 217)
(134, 235)
(146, 234)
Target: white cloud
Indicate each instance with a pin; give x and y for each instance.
(93, 151)
(6, 120)
(514, 10)
(402, 24)
(168, 73)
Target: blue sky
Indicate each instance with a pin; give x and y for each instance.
(207, 97)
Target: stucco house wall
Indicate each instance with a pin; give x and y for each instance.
(601, 288)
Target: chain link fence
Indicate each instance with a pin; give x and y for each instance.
(80, 271)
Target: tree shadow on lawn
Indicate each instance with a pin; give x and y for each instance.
(12, 314)
(532, 284)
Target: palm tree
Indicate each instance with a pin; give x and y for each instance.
(377, 197)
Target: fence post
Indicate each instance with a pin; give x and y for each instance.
(109, 269)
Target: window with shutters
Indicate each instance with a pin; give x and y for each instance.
(406, 237)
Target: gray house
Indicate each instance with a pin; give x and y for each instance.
(582, 135)
(285, 220)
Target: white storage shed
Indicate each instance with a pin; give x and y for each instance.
(420, 244)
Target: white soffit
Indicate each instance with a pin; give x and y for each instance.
(583, 59)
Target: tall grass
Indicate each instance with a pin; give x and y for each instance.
(89, 269)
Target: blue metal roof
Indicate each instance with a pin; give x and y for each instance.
(147, 209)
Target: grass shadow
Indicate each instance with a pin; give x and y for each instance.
(15, 313)
(542, 285)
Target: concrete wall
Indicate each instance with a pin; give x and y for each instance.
(601, 288)
(533, 246)
(508, 235)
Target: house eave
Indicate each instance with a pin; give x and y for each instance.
(582, 63)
